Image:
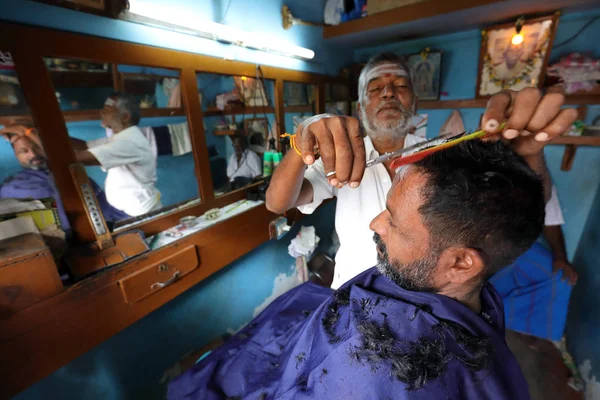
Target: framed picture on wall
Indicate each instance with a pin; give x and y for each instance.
(425, 69)
(506, 65)
(257, 130)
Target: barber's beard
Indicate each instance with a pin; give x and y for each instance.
(395, 129)
(415, 276)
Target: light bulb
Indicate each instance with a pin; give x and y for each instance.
(517, 39)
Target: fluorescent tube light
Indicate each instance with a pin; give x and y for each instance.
(178, 21)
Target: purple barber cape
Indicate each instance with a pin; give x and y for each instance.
(40, 184)
(370, 339)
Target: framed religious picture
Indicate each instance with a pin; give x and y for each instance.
(425, 70)
(507, 63)
(257, 130)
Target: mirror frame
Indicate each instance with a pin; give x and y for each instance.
(29, 46)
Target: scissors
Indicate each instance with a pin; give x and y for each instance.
(413, 149)
(421, 150)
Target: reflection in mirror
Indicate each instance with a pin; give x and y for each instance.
(300, 103)
(137, 155)
(30, 204)
(240, 129)
(337, 99)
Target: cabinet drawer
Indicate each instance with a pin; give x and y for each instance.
(161, 274)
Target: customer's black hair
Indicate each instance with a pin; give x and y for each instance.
(483, 196)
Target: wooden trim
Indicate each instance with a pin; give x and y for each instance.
(309, 108)
(279, 109)
(117, 81)
(189, 92)
(411, 12)
(83, 316)
(212, 111)
(577, 140)
(568, 157)
(443, 104)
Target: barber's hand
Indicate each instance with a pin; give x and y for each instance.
(532, 120)
(569, 273)
(339, 144)
(14, 132)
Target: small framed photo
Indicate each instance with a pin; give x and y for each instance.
(505, 63)
(425, 69)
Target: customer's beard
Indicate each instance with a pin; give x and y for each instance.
(42, 166)
(395, 128)
(414, 276)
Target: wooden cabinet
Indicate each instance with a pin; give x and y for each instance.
(27, 273)
(159, 275)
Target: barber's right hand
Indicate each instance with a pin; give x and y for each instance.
(338, 141)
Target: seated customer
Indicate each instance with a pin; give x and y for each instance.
(424, 324)
(244, 165)
(35, 180)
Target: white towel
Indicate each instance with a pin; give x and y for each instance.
(180, 138)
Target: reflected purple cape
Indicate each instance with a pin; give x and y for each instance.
(357, 343)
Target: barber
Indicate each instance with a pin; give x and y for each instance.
(126, 156)
(386, 105)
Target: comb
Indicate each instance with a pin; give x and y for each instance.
(400, 161)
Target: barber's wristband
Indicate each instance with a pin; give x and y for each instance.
(292, 143)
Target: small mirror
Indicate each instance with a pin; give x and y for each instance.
(299, 102)
(239, 123)
(128, 126)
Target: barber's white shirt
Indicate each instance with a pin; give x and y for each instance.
(131, 171)
(249, 166)
(554, 215)
(355, 210)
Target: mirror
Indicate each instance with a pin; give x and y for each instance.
(338, 100)
(239, 123)
(29, 199)
(299, 103)
(128, 126)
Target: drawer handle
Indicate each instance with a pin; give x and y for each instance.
(160, 285)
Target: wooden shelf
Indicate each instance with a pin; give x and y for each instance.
(577, 140)
(91, 115)
(411, 12)
(442, 104)
(580, 99)
(81, 79)
(299, 109)
(212, 111)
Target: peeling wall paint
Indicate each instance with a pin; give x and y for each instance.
(281, 284)
(592, 386)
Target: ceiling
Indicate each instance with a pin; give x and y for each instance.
(476, 17)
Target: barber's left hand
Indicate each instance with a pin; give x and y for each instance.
(532, 120)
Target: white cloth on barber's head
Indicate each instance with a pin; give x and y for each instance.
(355, 210)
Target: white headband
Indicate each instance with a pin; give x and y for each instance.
(386, 68)
(110, 102)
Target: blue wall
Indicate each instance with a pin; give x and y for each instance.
(576, 188)
(583, 323)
